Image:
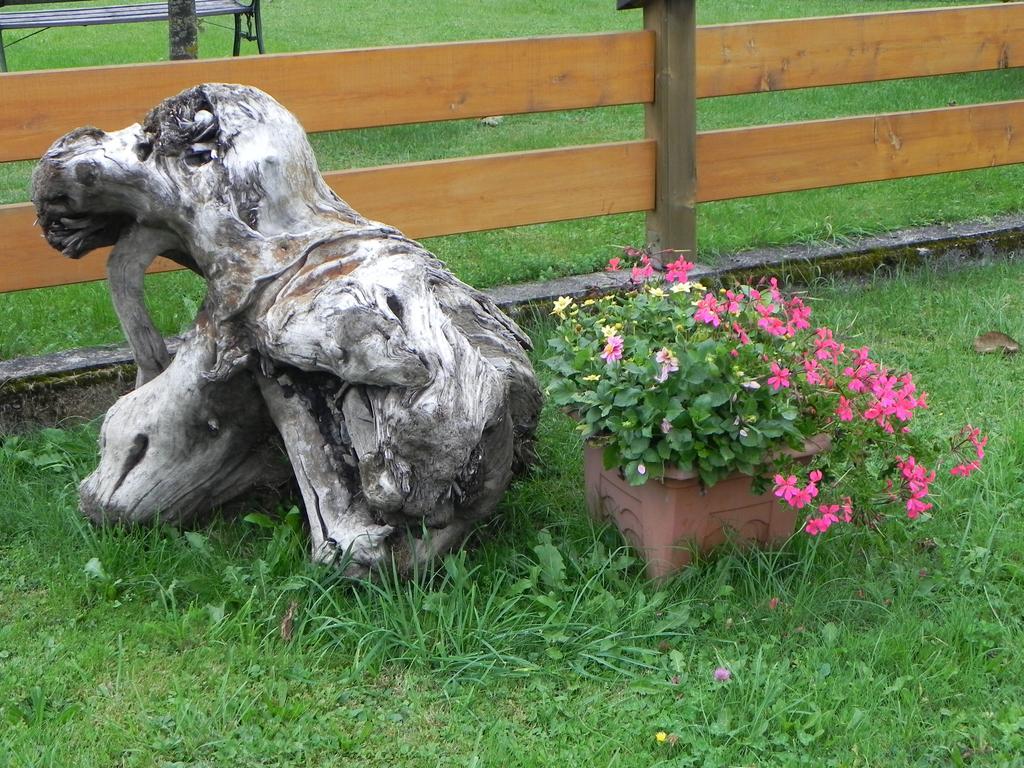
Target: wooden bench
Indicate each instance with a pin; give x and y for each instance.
(127, 14)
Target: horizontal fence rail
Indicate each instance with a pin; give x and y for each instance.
(827, 153)
(839, 50)
(440, 197)
(336, 90)
(390, 86)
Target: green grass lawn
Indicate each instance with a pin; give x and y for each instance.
(56, 319)
(541, 645)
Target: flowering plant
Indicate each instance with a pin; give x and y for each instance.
(673, 374)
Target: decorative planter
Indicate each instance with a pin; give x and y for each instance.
(667, 520)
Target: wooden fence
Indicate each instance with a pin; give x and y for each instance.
(667, 66)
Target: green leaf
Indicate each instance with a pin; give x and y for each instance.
(627, 397)
(260, 519)
(698, 414)
(198, 542)
(719, 395)
(552, 566)
(697, 373)
(559, 365)
(751, 439)
(215, 613)
(638, 445)
(94, 570)
(611, 456)
(703, 402)
(788, 412)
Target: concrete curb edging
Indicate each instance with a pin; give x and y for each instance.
(947, 246)
(80, 384)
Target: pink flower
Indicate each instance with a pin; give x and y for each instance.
(665, 356)
(644, 272)
(666, 426)
(722, 674)
(669, 363)
(772, 326)
(678, 271)
(815, 526)
(843, 410)
(812, 371)
(613, 349)
(779, 378)
(847, 508)
(915, 507)
(803, 496)
(708, 310)
(799, 314)
(613, 264)
(828, 515)
(786, 487)
(917, 479)
(825, 347)
(740, 333)
(975, 438)
(773, 604)
(641, 469)
(965, 470)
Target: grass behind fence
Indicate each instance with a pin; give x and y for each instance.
(59, 318)
(541, 645)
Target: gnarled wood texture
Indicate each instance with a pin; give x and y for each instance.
(403, 397)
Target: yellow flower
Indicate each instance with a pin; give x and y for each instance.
(589, 302)
(686, 287)
(608, 331)
(660, 737)
(592, 377)
(656, 292)
(561, 304)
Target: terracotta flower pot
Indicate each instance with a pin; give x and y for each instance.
(667, 519)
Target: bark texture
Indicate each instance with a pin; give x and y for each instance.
(182, 29)
(403, 398)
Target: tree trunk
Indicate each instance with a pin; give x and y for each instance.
(404, 398)
(183, 29)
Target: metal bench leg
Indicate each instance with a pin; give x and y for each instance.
(259, 26)
(3, 59)
(238, 35)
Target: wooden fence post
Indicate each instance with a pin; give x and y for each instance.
(672, 122)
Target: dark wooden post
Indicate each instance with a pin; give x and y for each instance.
(182, 29)
(672, 122)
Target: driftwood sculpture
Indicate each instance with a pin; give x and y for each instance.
(403, 398)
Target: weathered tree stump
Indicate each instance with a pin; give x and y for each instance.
(404, 398)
